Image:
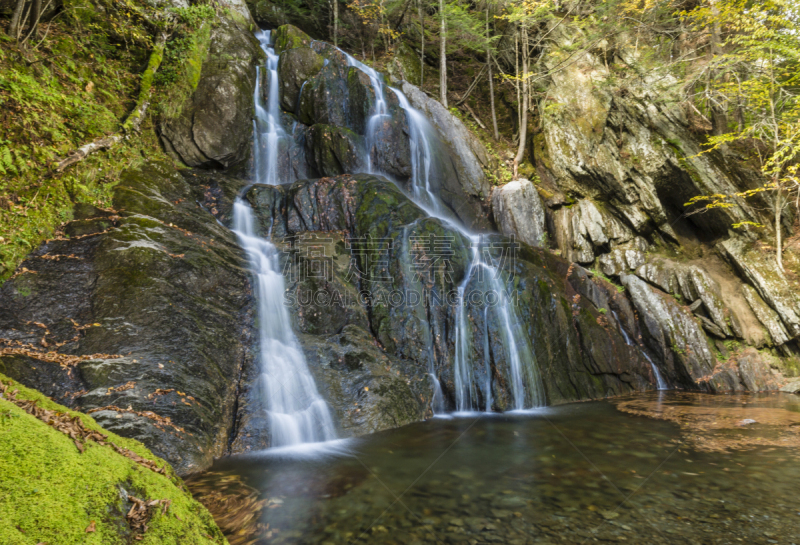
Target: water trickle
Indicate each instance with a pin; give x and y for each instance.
(660, 382)
(379, 112)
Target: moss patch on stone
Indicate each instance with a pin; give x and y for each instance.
(51, 493)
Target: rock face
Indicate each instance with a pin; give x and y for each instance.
(518, 211)
(616, 165)
(158, 296)
(214, 129)
(574, 345)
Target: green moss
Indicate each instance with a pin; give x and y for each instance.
(50, 492)
(78, 85)
(289, 37)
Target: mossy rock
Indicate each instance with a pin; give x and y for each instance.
(295, 66)
(289, 37)
(50, 492)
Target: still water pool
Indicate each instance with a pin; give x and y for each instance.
(665, 467)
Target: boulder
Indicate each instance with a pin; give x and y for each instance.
(332, 150)
(518, 212)
(585, 229)
(214, 128)
(152, 303)
(295, 66)
(289, 37)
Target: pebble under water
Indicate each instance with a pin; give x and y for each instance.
(665, 467)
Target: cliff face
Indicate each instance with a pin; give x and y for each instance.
(615, 165)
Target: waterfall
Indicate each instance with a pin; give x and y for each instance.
(379, 112)
(526, 384)
(296, 412)
(267, 129)
(660, 382)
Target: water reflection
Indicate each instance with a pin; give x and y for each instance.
(556, 475)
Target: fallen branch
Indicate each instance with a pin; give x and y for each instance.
(133, 121)
(471, 87)
(474, 116)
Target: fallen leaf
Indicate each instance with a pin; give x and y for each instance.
(91, 528)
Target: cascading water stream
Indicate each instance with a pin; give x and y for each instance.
(379, 111)
(660, 382)
(267, 129)
(527, 389)
(297, 413)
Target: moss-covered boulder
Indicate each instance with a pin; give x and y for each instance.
(58, 489)
(214, 127)
(295, 66)
(289, 37)
(145, 310)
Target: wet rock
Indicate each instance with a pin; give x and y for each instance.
(295, 66)
(518, 211)
(677, 339)
(580, 352)
(159, 292)
(214, 128)
(331, 151)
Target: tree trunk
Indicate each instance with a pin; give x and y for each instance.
(523, 126)
(778, 233)
(422, 43)
(719, 117)
(443, 56)
(336, 23)
(13, 28)
(495, 134)
(36, 13)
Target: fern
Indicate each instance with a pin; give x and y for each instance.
(7, 160)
